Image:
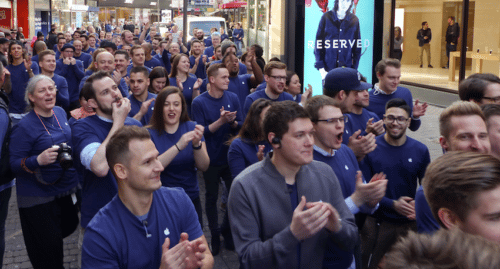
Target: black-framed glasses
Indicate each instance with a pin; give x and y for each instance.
(493, 99)
(342, 119)
(399, 119)
(278, 78)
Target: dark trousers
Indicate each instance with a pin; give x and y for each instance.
(377, 238)
(197, 206)
(212, 178)
(4, 208)
(44, 227)
(397, 54)
(449, 48)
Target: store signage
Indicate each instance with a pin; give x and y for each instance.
(81, 8)
(340, 37)
(5, 16)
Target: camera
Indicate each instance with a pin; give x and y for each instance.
(64, 156)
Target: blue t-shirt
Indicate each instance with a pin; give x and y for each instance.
(240, 85)
(426, 223)
(378, 101)
(130, 66)
(261, 86)
(136, 106)
(73, 75)
(154, 62)
(357, 122)
(123, 86)
(89, 51)
(29, 138)
(404, 166)
(85, 58)
(19, 79)
(243, 67)
(181, 171)
(116, 238)
(201, 70)
(262, 94)
(165, 57)
(187, 90)
(209, 51)
(205, 111)
(62, 97)
(243, 153)
(96, 191)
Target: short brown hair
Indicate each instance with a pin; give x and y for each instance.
(314, 104)
(454, 180)
(88, 88)
(384, 63)
(117, 150)
(135, 47)
(490, 110)
(458, 108)
(450, 249)
(157, 120)
(44, 53)
(268, 69)
(213, 70)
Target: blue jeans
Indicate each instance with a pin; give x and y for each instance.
(450, 48)
(239, 46)
(4, 208)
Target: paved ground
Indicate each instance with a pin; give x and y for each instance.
(15, 252)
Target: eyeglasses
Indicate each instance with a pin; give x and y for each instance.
(493, 99)
(342, 119)
(277, 78)
(399, 119)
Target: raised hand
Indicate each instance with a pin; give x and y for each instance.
(377, 128)
(260, 153)
(362, 145)
(419, 109)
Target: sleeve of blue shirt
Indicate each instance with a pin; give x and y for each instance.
(78, 67)
(247, 105)
(4, 123)
(35, 68)
(198, 114)
(123, 87)
(426, 223)
(61, 69)
(239, 114)
(235, 158)
(21, 150)
(166, 61)
(319, 53)
(97, 252)
(63, 94)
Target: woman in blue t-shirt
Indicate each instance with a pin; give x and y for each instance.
(293, 87)
(46, 180)
(180, 77)
(180, 143)
(158, 80)
(250, 145)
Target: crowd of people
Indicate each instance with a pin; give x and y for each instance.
(118, 126)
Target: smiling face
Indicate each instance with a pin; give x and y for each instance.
(468, 133)
(294, 86)
(105, 62)
(44, 96)
(159, 84)
(389, 81)
(16, 51)
(362, 99)
(232, 64)
(68, 53)
(121, 62)
(143, 168)
(184, 64)
(172, 109)
(328, 135)
(394, 129)
(78, 47)
(48, 63)
(221, 81)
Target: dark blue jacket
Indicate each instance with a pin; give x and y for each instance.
(338, 42)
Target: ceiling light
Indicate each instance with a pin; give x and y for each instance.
(153, 4)
(129, 1)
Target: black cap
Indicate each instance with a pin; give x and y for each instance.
(4, 40)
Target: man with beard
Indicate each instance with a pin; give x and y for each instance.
(86, 44)
(403, 160)
(47, 63)
(138, 59)
(106, 62)
(127, 38)
(197, 60)
(72, 70)
(227, 47)
(275, 76)
(80, 55)
(328, 122)
(61, 41)
(90, 137)
(141, 100)
(198, 35)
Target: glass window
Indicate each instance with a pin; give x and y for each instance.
(206, 25)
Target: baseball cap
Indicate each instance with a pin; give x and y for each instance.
(344, 78)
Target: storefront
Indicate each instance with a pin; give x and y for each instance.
(478, 43)
(6, 18)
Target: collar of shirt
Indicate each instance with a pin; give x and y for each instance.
(377, 90)
(104, 119)
(323, 152)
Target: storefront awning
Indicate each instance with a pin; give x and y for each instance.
(233, 5)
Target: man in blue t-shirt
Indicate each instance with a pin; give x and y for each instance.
(404, 161)
(328, 122)
(218, 110)
(80, 55)
(141, 100)
(343, 84)
(90, 137)
(275, 76)
(145, 225)
(388, 73)
(47, 63)
(72, 70)
(241, 84)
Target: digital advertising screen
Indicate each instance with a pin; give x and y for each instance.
(337, 33)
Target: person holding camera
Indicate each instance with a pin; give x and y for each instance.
(46, 180)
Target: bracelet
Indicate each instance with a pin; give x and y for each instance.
(197, 147)
(177, 147)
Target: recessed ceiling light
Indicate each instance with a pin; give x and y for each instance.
(129, 1)
(153, 4)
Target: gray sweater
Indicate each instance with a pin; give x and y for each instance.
(260, 214)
